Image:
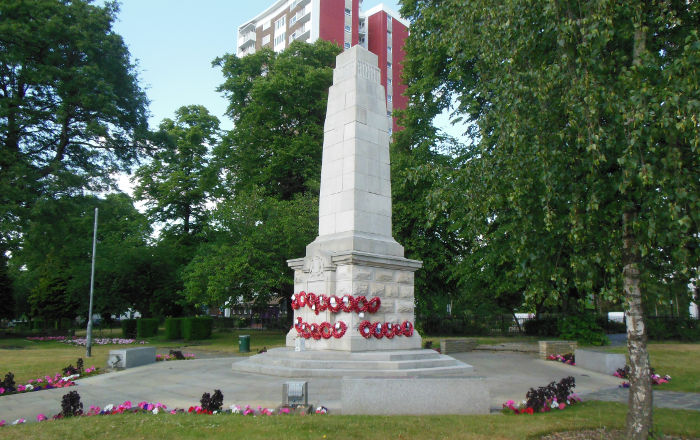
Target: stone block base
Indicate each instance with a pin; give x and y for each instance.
(448, 346)
(600, 361)
(415, 396)
(556, 347)
(131, 357)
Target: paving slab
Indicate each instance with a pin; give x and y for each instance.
(181, 384)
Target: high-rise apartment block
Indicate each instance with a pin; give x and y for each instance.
(343, 22)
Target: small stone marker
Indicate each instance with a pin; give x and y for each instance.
(131, 357)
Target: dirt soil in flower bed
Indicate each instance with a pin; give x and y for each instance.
(601, 434)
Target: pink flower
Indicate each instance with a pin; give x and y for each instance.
(562, 405)
(20, 388)
(2, 423)
(2, 390)
(41, 418)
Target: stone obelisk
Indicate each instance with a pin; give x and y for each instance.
(355, 253)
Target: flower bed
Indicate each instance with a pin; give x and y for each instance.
(83, 341)
(209, 405)
(59, 380)
(567, 358)
(172, 357)
(656, 379)
(555, 396)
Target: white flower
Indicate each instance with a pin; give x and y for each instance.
(294, 297)
(29, 387)
(108, 408)
(155, 411)
(19, 422)
(555, 405)
(235, 409)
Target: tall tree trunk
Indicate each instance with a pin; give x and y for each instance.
(639, 416)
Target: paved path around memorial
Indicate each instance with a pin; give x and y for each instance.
(181, 384)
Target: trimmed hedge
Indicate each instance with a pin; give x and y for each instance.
(173, 328)
(146, 327)
(128, 328)
(197, 328)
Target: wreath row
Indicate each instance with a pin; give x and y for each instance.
(323, 330)
(389, 330)
(335, 304)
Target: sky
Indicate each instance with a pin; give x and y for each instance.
(174, 42)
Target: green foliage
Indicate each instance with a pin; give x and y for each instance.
(173, 328)
(278, 118)
(582, 328)
(567, 135)
(679, 329)
(197, 328)
(147, 327)
(7, 300)
(176, 182)
(72, 110)
(542, 326)
(269, 167)
(129, 328)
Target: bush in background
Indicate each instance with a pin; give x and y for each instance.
(542, 326)
(173, 328)
(582, 328)
(197, 328)
(147, 327)
(128, 328)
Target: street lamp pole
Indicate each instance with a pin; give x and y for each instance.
(88, 343)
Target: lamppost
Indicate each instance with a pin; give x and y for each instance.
(88, 343)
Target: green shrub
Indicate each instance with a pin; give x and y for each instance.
(241, 322)
(38, 324)
(542, 326)
(582, 328)
(197, 328)
(173, 328)
(128, 328)
(672, 328)
(146, 327)
(66, 323)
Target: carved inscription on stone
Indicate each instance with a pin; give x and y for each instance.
(368, 71)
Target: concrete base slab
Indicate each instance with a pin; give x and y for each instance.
(600, 361)
(131, 357)
(414, 396)
(286, 362)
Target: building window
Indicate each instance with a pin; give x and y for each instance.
(388, 65)
(388, 19)
(391, 130)
(279, 39)
(348, 28)
(388, 81)
(292, 20)
(388, 50)
(347, 45)
(388, 98)
(279, 24)
(266, 39)
(388, 114)
(348, 12)
(266, 25)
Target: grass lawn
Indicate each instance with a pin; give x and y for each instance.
(30, 359)
(680, 361)
(591, 415)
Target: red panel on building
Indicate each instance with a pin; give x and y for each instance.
(399, 35)
(332, 21)
(377, 36)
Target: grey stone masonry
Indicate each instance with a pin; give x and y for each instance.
(415, 395)
(354, 252)
(600, 361)
(448, 346)
(556, 347)
(131, 357)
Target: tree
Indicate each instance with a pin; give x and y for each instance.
(278, 106)
(586, 139)
(270, 169)
(71, 109)
(56, 255)
(7, 302)
(176, 182)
